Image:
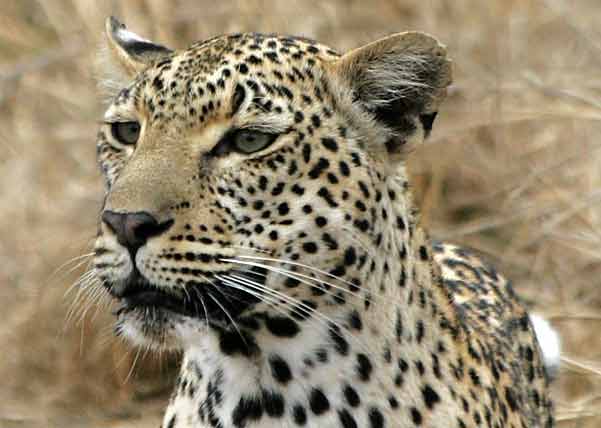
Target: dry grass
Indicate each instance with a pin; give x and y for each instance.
(512, 169)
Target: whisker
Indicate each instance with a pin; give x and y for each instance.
(297, 304)
(293, 263)
(227, 314)
(68, 262)
(261, 296)
(202, 302)
(297, 275)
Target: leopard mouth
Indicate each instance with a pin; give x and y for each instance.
(212, 301)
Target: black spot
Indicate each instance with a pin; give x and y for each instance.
(232, 342)
(291, 282)
(299, 415)
(362, 225)
(376, 419)
(419, 331)
(321, 165)
(281, 326)
(330, 242)
(298, 117)
(344, 169)
(318, 401)
(364, 367)
(316, 121)
(310, 247)
(511, 400)
(157, 83)
(420, 367)
(253, 59)
(416, 416)
(431, 397)
(355, 320)
(350, 256)
(287, 93)
(398, 327)
(283, 208)
(474, 376)
(427, 120)
(280, 369)
(403, 366)
(351, 396)
(273, 56)
(273, 402)
(325, 194)
(330, 144)
(364, 189)
(340, 343)
(297, 189)
(321, 221)
(394, 404)
(278, 189)
(423, 253)
(263, 183)
(400, 223)
(346, 419)
(307, 153)
(247, 409)
(238, 98)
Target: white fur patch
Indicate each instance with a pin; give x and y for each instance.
(128, 37)
(549, 342)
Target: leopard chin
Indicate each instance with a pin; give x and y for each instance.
(149, 314)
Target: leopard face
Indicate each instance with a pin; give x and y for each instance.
(231, 164)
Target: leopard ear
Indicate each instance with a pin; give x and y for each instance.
(124, 55)
(401, 80)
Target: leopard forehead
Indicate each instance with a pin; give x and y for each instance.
(192, 85)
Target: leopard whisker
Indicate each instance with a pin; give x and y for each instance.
(296, 305)
(297, 275)
(70, 261)
(227, 314)
(261, 296)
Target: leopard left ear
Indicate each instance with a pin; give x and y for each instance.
(125, 54)
(401, 81)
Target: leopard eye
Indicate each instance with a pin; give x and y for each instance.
(126, 132)
(245, 141)
(249, 141)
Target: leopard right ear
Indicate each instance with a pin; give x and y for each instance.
(124, 54)
(400, 80)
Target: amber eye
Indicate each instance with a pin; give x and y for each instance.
(126, 132)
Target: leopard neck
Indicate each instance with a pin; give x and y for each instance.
(376, 342)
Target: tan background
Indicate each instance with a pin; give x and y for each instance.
(513, 168)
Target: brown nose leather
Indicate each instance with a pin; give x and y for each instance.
(134, 229)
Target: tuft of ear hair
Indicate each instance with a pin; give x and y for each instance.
(124, 54)
(400, 80)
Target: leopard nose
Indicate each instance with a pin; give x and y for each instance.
(134, 229)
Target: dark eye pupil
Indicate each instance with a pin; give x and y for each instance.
(126, 132)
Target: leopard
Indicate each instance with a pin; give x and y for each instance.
(258, 219)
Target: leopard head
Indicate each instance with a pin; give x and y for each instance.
(244, 176)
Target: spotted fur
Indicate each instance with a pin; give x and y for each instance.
(297, 279)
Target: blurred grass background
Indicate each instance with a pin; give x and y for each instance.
(512, 168)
